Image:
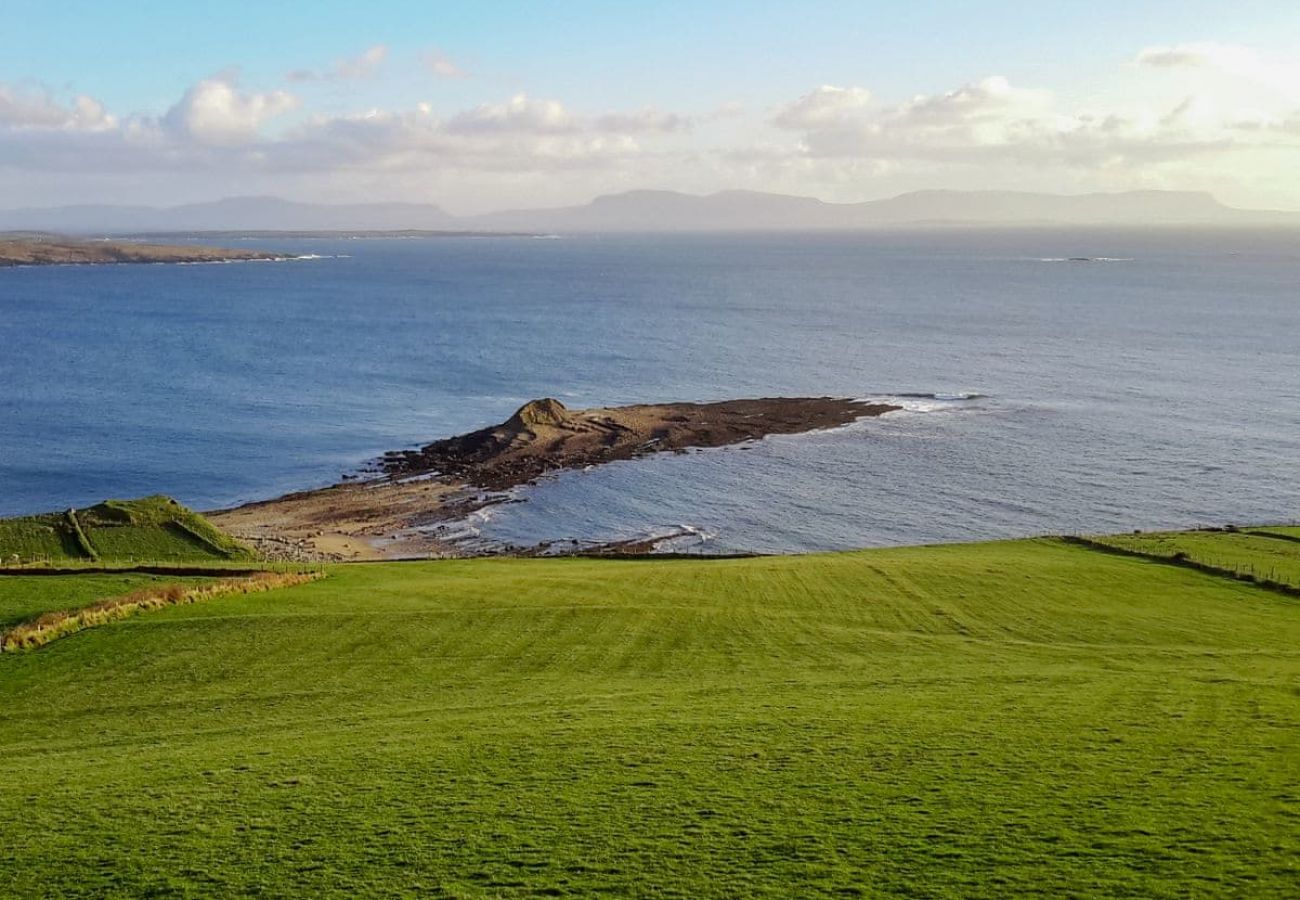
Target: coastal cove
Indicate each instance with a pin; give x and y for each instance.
(1152, 387)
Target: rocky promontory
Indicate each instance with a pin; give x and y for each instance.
(544, 435)
(397, 512)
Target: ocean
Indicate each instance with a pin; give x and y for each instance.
(1156, 384)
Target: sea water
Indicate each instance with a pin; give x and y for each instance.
(1155, 383)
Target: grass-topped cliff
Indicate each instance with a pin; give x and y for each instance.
(150, 529)
(988, 720)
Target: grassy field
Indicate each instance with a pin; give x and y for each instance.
(1240, 552)
(150, 529)
(1009, 719)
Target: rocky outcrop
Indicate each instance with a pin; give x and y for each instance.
(544, 435)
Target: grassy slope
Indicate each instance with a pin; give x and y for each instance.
(37, 536)
(149, 529)
(988, 720)
(152, 542)
(1264, 557)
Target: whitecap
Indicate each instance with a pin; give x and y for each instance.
(939, 401)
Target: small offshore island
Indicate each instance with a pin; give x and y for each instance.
(394, 513)
(40, 249)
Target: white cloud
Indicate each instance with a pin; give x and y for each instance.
(993, 121)
(519, 115)
(534, 136)
(37, 109)
(441, 65)
(644, 121)
(88, 114)
(215, 111)
(824, 105)
(218, 127)
(1197, 54)
(1232, 60)
(990, 98)
(17, 110)
(363, 65)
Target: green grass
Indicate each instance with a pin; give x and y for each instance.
(151, 542)
(1240, 552)
(24, 597)
(149, 529)
(161, 511)
(995, 720)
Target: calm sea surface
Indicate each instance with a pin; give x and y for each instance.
(1159, 386)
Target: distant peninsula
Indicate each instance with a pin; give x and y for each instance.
(58, 250)
(331, 234)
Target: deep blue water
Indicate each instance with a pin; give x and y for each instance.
(1161, 388)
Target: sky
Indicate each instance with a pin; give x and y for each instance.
(494, 105)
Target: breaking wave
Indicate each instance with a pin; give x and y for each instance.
(1084, 259)
(938, 401)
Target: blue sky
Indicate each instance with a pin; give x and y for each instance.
(350, 125)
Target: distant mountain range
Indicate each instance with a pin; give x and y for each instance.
(662, 211)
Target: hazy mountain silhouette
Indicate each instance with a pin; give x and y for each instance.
(749, 210)
(664, 211)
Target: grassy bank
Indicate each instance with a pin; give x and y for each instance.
(150, 529)
(982, 720)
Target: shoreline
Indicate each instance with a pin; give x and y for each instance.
(393, 513)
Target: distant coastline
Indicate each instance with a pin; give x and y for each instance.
(341, 234)
(58, 250)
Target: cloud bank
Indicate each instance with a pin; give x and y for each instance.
(840, 141)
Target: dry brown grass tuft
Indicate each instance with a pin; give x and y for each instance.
(53, 625)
